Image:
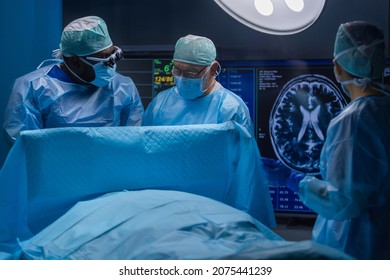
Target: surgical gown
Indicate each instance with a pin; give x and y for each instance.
(42, 99)
(353, 201)
(169, 108)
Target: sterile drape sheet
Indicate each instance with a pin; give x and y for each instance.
(163, 225)
(49, 170)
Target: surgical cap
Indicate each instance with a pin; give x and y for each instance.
(195, 50)
(85, 36)
(359, 49)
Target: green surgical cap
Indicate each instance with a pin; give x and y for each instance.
(195, 50)
(85, 36)
(359, 49)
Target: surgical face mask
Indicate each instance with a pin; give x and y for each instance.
(363, 83)
(342, 84)
(190, 88)
(103, 74)
(345, 90)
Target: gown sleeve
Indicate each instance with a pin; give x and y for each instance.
(22, 112)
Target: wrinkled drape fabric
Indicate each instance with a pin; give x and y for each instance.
(162, 224)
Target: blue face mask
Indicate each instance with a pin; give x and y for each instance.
(189, 88)
(360, 82)
(103, 74)
(342, 84)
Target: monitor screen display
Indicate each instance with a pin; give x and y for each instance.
(291, 103)
(150, 71)
(386, 74)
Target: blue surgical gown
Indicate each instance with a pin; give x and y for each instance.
(353, 200)
(43, 100)
(169, 108)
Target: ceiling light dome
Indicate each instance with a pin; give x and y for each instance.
(278, 17)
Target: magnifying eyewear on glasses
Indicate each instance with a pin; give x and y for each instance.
(111, 60)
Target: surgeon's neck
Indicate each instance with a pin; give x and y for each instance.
(67, 72)
(210, 87)
(357, 92)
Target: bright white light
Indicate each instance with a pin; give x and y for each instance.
(264, 7)
(295, 5)
(278, 17)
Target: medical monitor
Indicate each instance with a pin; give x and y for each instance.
(149, 69)
(291, 103)
(386, 73)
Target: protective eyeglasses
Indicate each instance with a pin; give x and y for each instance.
(187, 74)
(110, 60)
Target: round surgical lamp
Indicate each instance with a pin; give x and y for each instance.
(278, 17)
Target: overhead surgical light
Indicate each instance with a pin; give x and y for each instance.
(295, 5)
(278, 17)
(264, 7)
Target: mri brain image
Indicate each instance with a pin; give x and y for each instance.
(299, 120)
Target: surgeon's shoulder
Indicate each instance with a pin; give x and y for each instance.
(33, 75)
(374, 110)
(359, 112)
(229, 98)
(122, 79)
(363, 107)
(166, 93)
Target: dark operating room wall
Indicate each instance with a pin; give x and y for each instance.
(152, 22)
(29, 31)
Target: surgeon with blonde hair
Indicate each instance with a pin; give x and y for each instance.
(352, 198)
(79, 88)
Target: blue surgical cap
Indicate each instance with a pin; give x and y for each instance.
(359, 49)
(85, 36)
(195, 50)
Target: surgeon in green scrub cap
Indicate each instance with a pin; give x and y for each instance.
(80, 87)
(85, 36)
(352, 197)
(197, 97)
(359, 50)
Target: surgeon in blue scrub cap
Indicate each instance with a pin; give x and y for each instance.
(79, 88)
(197, 97)
(352, 198)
